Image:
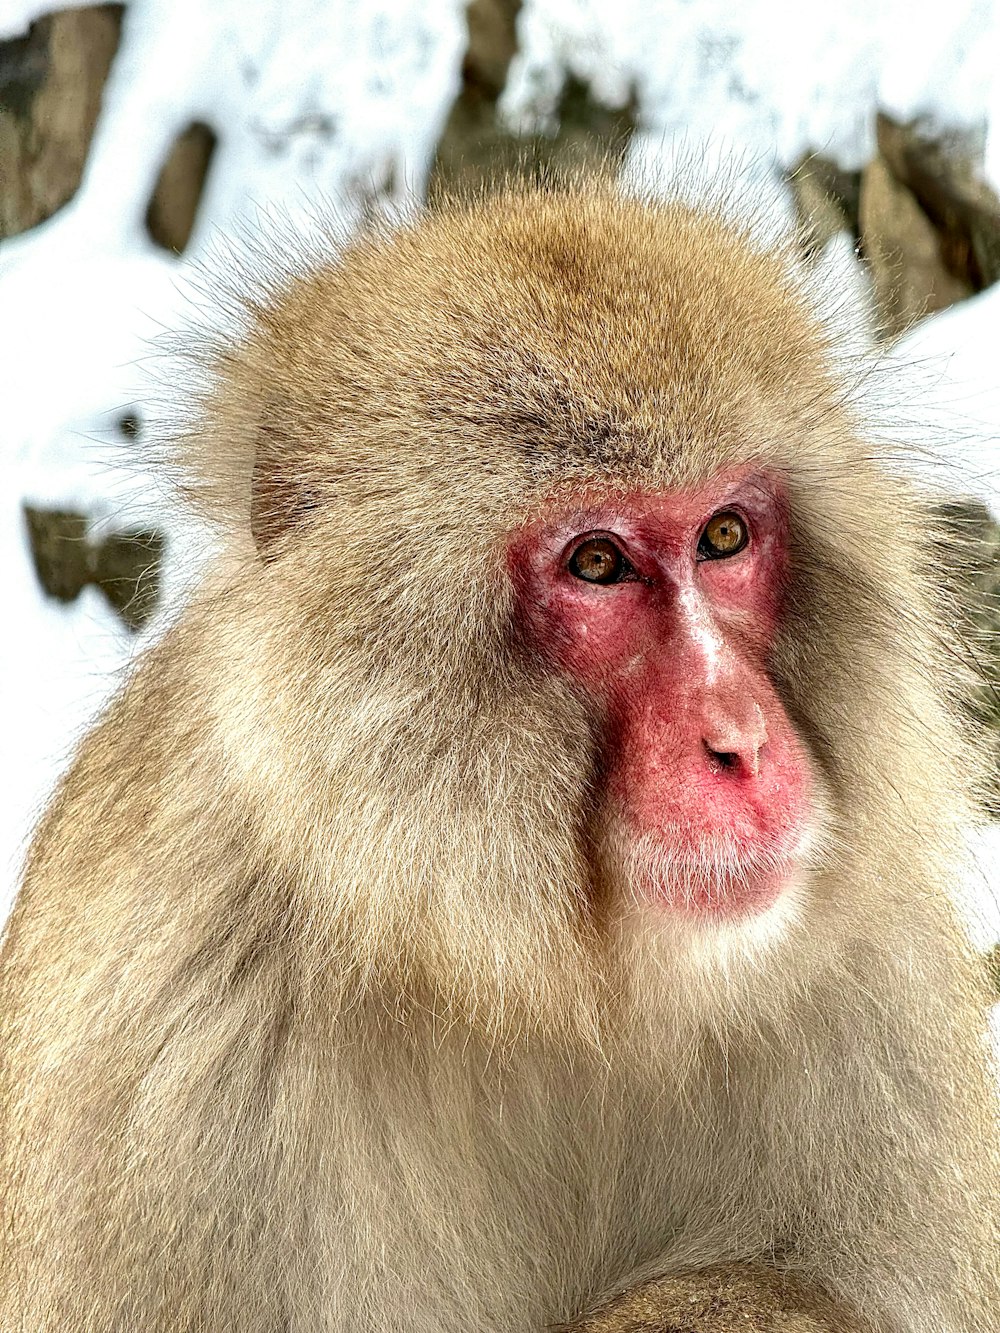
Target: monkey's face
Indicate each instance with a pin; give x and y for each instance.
(577, 649)
(662, 608)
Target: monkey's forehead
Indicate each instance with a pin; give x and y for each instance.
(540, 335)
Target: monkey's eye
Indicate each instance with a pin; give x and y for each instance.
(599, 560)
(725, 534)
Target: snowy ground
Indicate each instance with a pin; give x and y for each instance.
(343, 101)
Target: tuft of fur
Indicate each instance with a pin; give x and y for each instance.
(311, 1017)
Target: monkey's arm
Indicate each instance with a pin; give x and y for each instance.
(731, 1298)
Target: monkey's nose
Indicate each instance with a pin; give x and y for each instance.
(734, 738)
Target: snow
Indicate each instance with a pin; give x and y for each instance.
(338, 104)
(765, 77)
(951, 369)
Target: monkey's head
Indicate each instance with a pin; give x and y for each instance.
(583, 642)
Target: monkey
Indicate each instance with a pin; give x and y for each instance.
(516, 891)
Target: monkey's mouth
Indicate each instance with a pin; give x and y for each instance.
(722, 877)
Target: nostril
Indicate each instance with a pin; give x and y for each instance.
(722, 761)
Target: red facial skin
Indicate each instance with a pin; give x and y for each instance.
(704, 773)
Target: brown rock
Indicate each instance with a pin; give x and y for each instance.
(174, 205)
(476, 150)
(124, 564)
(50, 94)
(943, 175)
(820, 196)
(904, 252)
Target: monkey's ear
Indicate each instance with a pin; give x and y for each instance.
(281, 496)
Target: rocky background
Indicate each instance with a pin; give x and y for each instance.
(919, 214)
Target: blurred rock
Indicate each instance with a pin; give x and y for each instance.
(943, 175)
(477, 151)
(174, 204)
(125, 565)
(492, 44)
(58, 540)
(826, 199)
(926, 223)
(472, 146)
(51, 82)
(903, 251)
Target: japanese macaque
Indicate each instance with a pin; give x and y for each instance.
(516, 893)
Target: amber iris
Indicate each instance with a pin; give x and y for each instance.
(725, 534)
(598, 560)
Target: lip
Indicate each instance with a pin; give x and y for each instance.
(711, 893)
(715, 878)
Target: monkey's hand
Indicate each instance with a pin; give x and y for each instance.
(736, 1298)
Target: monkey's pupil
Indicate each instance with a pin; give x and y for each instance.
(597, 561)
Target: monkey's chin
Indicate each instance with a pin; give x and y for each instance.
(741, 892)
(723, 881)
